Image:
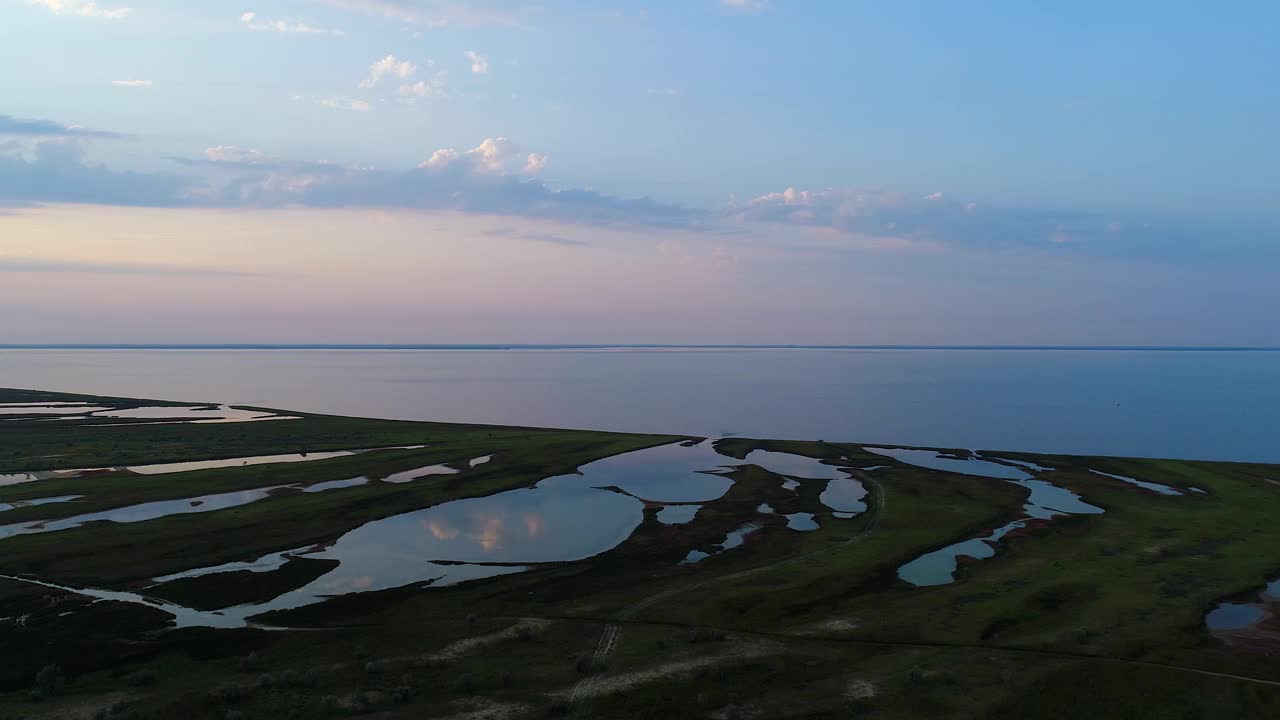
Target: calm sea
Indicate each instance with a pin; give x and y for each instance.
(1222, 405)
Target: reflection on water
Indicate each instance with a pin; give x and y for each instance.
(1241, 616)
(1191, 404)
(845, 495)
(966, 466)
(266, 563)
(1234, 616)
(38, 501)
(843, 492)
(453, 542)
(801, 521)
(560, 519)
(183, 616)
(205, 503)
(26, 477)
(1045, 501)
(668, 473)
(335, 484)
(939, 567)
(1154, 487)
(795, 466)
(1047, 497)
(48, 404)
(678, 514)
(734, 539)
(191, 465)
(1021, 463)
(145, 511)
(161, 468)
(416, 473)
(69, 409)
(193, 414)
(517, 526)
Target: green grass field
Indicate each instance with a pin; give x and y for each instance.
(1084, 616)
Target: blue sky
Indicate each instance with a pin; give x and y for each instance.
(1114, 150)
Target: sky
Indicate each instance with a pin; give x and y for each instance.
(691, 171)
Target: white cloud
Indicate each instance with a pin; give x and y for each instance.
(749, 6)
(492, 154)
(432, 13)
(479, 63)
(388, 66)
(535, 163)
(26, 128)
(83, 8)
(252, 21)
(917, 221)
(433, 87)
(489, 157)
(337, 102)
(233, 154)
(345, 103)
(440, 159)
(132, 83)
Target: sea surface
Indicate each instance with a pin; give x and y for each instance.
(1179, 403)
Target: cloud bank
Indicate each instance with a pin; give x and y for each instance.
(13, 126)
(253, 21)
(930, 221)
(84, 8)
(11, 264)
(493, 177)
(436, 13)
(45, 161)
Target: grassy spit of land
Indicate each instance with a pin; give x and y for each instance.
(1097, 615)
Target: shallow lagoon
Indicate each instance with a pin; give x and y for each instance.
(1241, 616)
(192, 465)
(560, 519)
(669, 473)
(1044, 502)
(572, 517)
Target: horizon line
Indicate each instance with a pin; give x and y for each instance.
(610, 346)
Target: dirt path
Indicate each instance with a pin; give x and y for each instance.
(585, 688)
(609, 637)
(1060, 654)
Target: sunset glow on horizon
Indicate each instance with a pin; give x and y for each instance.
(410, 171)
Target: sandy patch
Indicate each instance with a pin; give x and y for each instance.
(823, 627)
(682, 667)
(859, 690)
(468, 645)
(80, 708)
(482, 709)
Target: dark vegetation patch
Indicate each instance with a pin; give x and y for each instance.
(241, 587)
(1058, 624)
